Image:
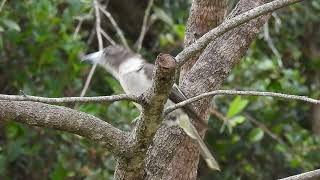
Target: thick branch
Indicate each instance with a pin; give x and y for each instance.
(156, 97)
(311, 175)
(243, 93)
(150, 119)
(64, 119)
(229, 24)
(98, 99)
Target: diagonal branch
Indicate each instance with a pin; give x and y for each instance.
(229, 24)
(243, 93)
(64, 119)
(105, 35)
(144, 25)
(97, 99)
(311, 175)
(115, 25)
(100, 43)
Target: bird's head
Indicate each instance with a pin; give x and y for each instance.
(110, 58)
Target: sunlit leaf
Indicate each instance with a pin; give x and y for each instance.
(236, 106)
(256, 135)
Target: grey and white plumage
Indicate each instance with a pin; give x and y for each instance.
(135, 76)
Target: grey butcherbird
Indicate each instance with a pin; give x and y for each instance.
(135, 77)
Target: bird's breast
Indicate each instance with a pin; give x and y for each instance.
(135, 82)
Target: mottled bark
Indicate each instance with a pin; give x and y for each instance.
(204, 15)
(65, 119)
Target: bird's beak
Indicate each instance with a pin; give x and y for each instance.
(93, 58)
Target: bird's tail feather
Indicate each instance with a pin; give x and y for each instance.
(191, 131)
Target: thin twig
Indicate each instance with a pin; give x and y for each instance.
(75, 34)
(115, 25)
(144, 25)
(264, 128)
(97, 99)
(2, 4)
(311, 175)
(270, 43)
(105, 35)
(227, 25)
(243, 93)
(100, 43)
(80, 22)
(225, 120)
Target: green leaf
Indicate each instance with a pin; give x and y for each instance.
(58, 173)
(237, 120)
(11, 24)
(179, 29)
(256, 135)
(236, 106)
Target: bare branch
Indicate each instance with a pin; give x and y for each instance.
(225, 120)
(77, 28)
(150, 119)
(98, 99)
(98, 24)
(265, 129)
(115, 25)
(2, 4)
(311, 175)
(100, 43)
(243, 93)
(105, 35)
(229, 24)
(144, 25)
(270, 43)
(64, 119)
(80, 22)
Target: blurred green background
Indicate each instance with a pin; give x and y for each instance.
(264, 138)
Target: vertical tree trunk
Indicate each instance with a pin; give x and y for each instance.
(173, 155)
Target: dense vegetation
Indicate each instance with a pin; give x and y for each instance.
(264, 138)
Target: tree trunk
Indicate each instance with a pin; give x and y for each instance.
(173, 155)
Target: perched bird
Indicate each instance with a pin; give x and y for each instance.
(135, 76)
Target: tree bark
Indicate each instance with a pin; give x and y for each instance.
(204, 15)
(173, 155)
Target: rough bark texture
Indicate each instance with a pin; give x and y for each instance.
(133, 167)
(173, 155)
(204, 15)
(65, 119)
